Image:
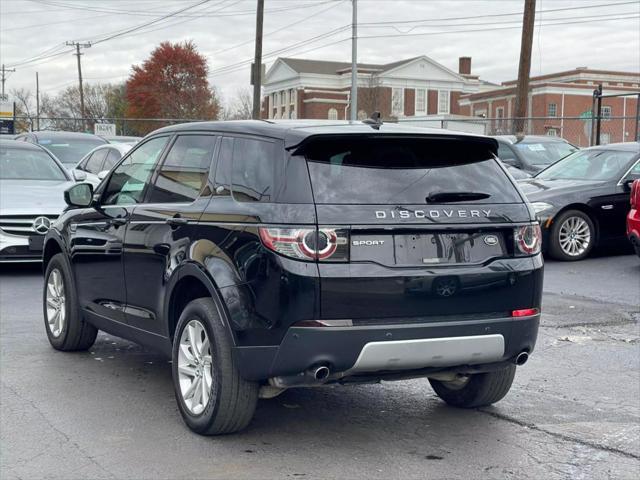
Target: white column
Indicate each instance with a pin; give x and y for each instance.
(270, 106)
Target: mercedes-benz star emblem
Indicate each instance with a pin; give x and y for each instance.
(41, 225)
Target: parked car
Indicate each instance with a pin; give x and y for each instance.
(68, 147)
(532, 153)
(582, 201)
(101, 159)
(633, 218)
(130, 140)
(32, 182)
(262, 256)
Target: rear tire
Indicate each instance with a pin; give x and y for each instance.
(478, 390)
(224, 402)
(63, 322)
(562, 246)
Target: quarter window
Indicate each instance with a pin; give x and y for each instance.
(184, 173)
(94, 163)
(129, 180)
(255, 170)
(112, 159)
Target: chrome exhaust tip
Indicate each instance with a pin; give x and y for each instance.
(320, 373)
(521, 359)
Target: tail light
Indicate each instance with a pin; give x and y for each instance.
(528, 239)
(310, 244)
(525, 312)
(635, 194)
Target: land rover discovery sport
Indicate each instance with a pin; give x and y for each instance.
(262, 256)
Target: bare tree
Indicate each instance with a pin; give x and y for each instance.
(240, 106)
(369, 96)
(25, 109)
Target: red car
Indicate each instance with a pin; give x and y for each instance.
(633, 218)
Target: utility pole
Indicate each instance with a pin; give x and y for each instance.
(256, 72)
(524, 69)
(37, 103)
(79, 45)
(354, 62)
(4, 76)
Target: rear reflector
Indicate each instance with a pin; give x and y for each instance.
(525, 312)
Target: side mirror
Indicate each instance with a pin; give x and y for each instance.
(79, 195)
(627, 184)
(103, 174)
(79, 175)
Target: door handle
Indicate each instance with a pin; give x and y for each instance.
(118, 221)
(176, 221)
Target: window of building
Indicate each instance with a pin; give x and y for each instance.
(397, 102)
(421, 101)
(333, 114)
(552, 110)
(606, 112)
(552, 132)
(184, 172)
(605, 138)
(500, 117)
(292, 96)
(443, 101)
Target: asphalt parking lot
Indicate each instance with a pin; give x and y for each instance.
(573, 412)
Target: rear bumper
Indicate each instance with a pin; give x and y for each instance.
(398, 348)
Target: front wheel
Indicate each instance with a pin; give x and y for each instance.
(66, 329)
(212, 396)
(475, 390)
(572, 236)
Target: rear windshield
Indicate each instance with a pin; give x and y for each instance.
(544, 153)
(406, 171)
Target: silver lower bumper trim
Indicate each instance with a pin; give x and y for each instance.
(429, 352)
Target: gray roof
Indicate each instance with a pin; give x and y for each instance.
(326, 67)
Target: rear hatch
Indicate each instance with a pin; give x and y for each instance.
(429, 223)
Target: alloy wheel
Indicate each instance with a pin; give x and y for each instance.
(195, 372)
(56, 303)
(574, 236)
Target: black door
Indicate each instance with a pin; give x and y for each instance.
(161, 228)
(97, 237)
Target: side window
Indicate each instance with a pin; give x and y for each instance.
(223, 170)
(94, 162)
(634, 173)
(128, 181)
(112, 158)
(256, 166)
(185, 170)
(506, 154)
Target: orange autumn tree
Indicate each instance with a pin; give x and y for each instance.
(171, 83)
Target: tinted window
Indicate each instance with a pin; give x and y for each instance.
(590, 165)
(255, 168)
(112, 158)
(70, 150)
(21, 164)
(404, 171)
(505, 153)
(223, 170)
(129, 179)
(94, 163)
(185, 170)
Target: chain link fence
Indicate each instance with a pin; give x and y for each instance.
(123, 126)
(576, 130)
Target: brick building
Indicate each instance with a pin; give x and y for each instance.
(554, 97)
(317, 89)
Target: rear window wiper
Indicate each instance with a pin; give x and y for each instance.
(436, 197)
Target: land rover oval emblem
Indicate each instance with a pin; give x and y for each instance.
(491, 240)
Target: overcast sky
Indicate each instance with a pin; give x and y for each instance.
(598, 33)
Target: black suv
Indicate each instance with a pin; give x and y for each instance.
(262, 256)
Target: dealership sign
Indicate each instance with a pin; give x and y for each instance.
(108, 129)
(7, 113)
